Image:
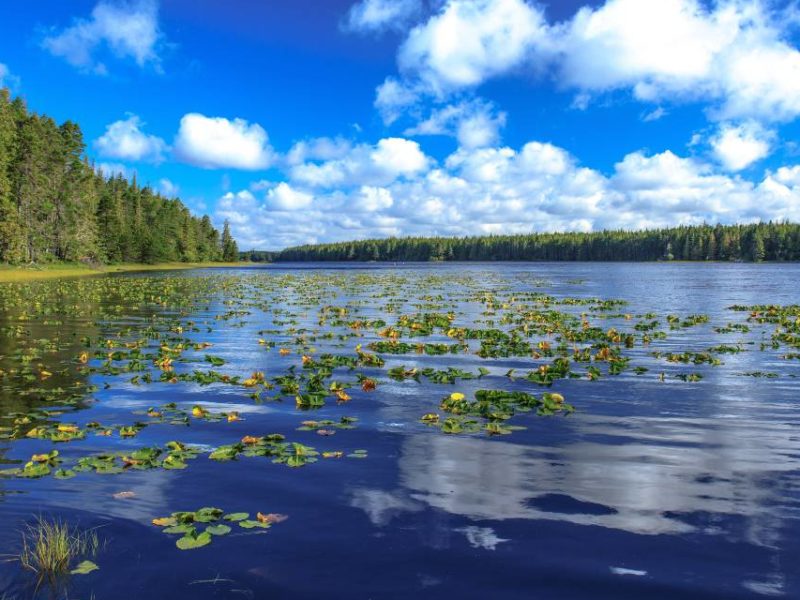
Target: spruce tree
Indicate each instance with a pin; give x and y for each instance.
(230, 251)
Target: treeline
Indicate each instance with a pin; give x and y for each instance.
(257, 256)
(756, 243)
(54, 206)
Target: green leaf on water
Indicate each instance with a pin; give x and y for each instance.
(207, 514)
(185, 529)
(218, 529)
(215, 360)
(249, 524)
(84, 567)
(240, 516)
(190, 542)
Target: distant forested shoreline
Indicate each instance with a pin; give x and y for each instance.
(56, 207)
(750, 243)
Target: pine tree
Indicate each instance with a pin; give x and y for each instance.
(230, 251)
(11, 249)
(757, 251)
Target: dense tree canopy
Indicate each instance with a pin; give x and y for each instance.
(54, 206)
(257, 256)
(756, 242)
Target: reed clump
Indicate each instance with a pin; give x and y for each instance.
(50, 546)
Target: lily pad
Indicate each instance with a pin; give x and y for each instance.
(218, 529)
(190, 542)
(250, 524)
(84, 568)
(239, 516)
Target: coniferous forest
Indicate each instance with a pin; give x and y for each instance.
(54, 205)
(755, 243)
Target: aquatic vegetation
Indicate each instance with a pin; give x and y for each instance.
(50, 547)
(39, 465)
(785, 319)
(689, 377)
(274, 446)
(675, 322)
(172, 456)
(766, 374)
(214, 523)
(697, 358)
(327, 424)
(726, 349)
(494, 407)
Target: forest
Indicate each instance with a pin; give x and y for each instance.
(752, 243)
(55, 206)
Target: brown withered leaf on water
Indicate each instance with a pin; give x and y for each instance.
(271, 518)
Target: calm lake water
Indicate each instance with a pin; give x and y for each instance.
(681, 481)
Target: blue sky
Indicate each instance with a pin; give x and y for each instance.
(328, 120)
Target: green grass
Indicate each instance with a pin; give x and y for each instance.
(50, 546)
(10, 273)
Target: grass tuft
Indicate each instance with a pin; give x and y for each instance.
(49, 547)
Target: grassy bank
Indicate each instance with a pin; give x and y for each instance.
(29, 273)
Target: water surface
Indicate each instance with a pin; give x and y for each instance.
(653, 487)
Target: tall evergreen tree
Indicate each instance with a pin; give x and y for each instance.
(230, 252)
(11, 247)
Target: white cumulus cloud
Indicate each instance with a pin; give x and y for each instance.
(285, 197)
(393, 98)
(126, 29)
(379, 164)
(470, 41)
(216, 143)
(789, 176)
(474, 123)
(323, 148)
(735, 55)
(373, 16)
(669, 44)
(372, 199)
(125, 140)
(739, 146)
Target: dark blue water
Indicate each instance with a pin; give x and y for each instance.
(651, 489)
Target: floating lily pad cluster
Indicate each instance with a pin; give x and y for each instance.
(327, 426)
(172, 456)
(171, 414)
(198, 528)
(491, 408)
(291, 454)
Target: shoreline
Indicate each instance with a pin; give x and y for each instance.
(10, 273)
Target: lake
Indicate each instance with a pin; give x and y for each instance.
(648, 445)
